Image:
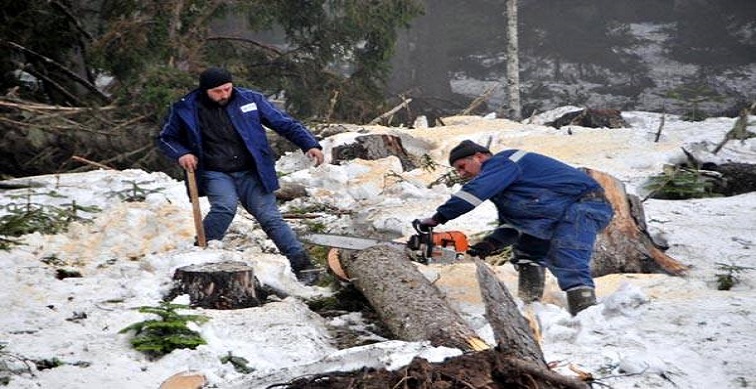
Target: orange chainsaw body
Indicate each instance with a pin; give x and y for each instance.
(450, 239)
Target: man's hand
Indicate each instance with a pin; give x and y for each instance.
(315, 154)
(188, 162)
(426, 224)
(482, 249)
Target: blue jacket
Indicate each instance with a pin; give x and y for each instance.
(249, 111)
(531, 191)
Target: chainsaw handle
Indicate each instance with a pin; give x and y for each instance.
(425, 237)
(416, 225)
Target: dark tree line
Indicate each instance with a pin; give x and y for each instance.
(572, 50)
(112, 67)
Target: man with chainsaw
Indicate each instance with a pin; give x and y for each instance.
(551, 213)
(217, 130)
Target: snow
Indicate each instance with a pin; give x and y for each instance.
(649, 330)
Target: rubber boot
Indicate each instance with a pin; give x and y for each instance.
(580, 298)
(530, 282)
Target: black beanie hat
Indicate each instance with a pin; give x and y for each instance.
(465, 149)
(213, 78)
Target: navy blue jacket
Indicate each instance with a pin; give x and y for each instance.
(249, 111)
(531, 191)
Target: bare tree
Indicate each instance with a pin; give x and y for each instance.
(513, 110)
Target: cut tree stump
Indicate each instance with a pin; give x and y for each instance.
(592, 118)
(185, 380)
(218, 285)
(625, 246)
(372, 147)
(407, 303)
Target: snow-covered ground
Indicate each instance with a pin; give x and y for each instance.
(648, 330)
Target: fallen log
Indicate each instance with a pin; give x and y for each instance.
(625, 246)
(407, 303)
(512, 332)
(413, 310)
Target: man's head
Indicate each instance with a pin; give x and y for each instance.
(217, 83)
(467, 157)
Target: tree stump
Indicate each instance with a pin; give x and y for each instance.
(625, 246)
(592, 118)
(372, 147)
(408, 304)
(219, 285)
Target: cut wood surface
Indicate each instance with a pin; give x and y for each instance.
(185, 380)
(625, 246)
(219, 285)
(408, 304)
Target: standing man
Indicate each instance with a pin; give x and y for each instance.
(549, 210)
(217, 130)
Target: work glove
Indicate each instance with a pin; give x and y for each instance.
(426, 224)
(484, 248)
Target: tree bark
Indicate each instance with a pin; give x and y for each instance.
(413, 310)
(514, 112)
(513, 335)
(372, 147)
(220, 285)
(408, 304)
(625, 246)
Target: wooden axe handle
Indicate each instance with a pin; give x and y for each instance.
(194, 196)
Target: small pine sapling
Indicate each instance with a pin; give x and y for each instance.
(157, 337)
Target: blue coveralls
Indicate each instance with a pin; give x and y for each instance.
(547, 201)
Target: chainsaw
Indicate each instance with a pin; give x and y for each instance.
(426, 246)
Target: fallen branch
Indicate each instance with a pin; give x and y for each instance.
(29, 106)
(53, 84)
(392, 111)
(479, 100)
(659, 130)
(93, 163)
(58, 66)
(739, 129)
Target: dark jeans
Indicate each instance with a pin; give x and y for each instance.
(225, 190)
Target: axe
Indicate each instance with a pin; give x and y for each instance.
(194, 196)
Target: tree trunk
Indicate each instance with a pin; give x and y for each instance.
(408, 304)
(221, 285)
(513, 63)
(413, 309)
(513, 334)
(625, 246)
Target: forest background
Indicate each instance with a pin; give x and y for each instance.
(92, 79)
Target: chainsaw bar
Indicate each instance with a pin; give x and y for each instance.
(347, 242)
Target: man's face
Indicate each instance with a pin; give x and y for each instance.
(221, 94)
(468, 167)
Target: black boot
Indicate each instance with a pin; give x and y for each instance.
(580, 298)
(530, 282)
